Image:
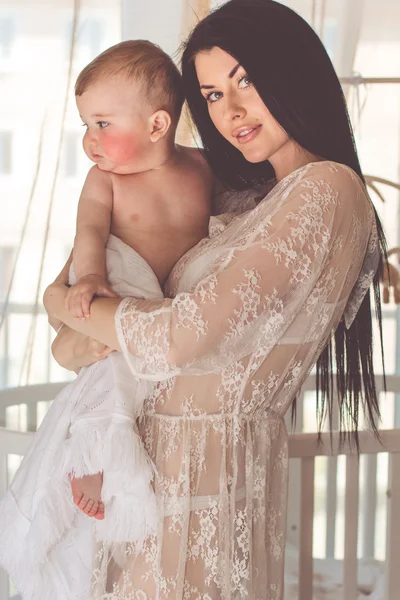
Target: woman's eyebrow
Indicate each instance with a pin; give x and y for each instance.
(235, 68)
(230, 75)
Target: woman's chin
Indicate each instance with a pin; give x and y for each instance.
(255, 156)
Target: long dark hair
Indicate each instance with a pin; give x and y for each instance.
(293, 74)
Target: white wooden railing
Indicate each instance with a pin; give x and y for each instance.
(304, 446)
(303, 449)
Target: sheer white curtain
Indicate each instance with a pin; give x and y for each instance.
(43, 46)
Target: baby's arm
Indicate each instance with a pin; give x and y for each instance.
(62, 277)
(92, 231)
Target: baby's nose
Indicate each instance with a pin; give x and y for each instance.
(92, 137)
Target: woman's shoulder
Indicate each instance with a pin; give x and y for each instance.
(329, 182)
(340, 194)
(324, 190)
(334, 173)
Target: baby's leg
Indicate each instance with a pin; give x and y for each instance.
(86, 493)
(84, 447)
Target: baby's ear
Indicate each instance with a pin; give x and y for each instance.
(160, 122)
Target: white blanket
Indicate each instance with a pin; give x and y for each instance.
(46, 543)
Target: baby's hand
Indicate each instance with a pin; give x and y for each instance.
(81, 294)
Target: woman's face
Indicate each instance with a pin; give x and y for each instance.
(237, 110)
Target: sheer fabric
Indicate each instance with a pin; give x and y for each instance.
(253, 306)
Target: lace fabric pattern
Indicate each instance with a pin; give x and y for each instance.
(250, 309)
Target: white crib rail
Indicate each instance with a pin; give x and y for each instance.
(29, 395)
(305, 447)
(370, 538)
(302, 447)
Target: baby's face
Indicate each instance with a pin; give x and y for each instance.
(116, 117)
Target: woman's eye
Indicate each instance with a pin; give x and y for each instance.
(84, 125)
(213, 96)
(244, 82)
(102, 124)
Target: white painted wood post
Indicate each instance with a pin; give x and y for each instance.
(369, 502)
(331, 506)
(306, 528)
(393, 530)
(31, 417)
(2, 416)
(351, 529)
(293, 507)
(4, 584)
(293, 510)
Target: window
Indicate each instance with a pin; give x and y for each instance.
(7, 255)
(89, 35)
(71, 149)
(7, 36)
(5, 152)
(89, 40)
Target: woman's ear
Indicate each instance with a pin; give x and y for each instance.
(160, 122)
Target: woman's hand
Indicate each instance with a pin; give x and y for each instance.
(100, 325)
(71, 349)
(74, 350)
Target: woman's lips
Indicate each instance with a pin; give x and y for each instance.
(243, 137)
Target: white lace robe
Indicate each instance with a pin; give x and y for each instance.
(252, 308)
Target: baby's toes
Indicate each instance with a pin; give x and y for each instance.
(83, 502)
(100, 512)
(77, 498)
(91, 509)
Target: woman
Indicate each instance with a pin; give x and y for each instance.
(255, 305)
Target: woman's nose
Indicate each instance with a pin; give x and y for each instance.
(233, 109)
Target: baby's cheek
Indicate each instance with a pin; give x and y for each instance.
(121, 148)
(86, 145)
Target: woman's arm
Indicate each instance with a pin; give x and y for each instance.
(251, 302)
(73, 350)
(99, 326)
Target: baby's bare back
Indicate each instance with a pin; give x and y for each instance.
(163, 213)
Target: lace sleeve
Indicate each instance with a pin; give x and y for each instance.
(288, 282)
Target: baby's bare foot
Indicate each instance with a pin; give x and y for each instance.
(86, 493)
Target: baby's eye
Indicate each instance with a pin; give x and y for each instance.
(84, 125)
(213, 96)
(102, 124)
(244, 82)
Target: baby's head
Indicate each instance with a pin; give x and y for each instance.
(130, 98)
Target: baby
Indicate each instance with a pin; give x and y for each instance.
(143, 205)
(145, 190)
